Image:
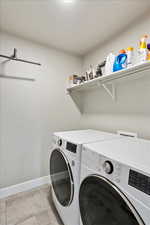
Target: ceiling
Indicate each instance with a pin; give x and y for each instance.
(73, 27)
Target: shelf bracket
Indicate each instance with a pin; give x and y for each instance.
(110, 89)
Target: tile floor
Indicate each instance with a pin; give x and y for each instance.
(34, 207)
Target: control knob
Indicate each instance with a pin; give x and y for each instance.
(108, 167)
(59, 142)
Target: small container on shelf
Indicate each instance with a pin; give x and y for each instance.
(91, 73)
(109, 64)
(130, 56)
(82, 79)
(86, 76)
(100, 69)
(73, 80)
(148, 53)
(143, 50)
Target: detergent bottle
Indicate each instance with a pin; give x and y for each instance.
(130, 56)
(143, 49)
(109, 64)
(120, 61)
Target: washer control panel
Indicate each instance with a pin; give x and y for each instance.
(101, 164)
(58, 142)
(139, 181)
(111, 170)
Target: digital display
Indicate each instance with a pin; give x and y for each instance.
(71, 147)
(139, 181)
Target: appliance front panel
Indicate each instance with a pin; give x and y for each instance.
(101, 202)
(61, 177)
(136, 189)
(136, 183)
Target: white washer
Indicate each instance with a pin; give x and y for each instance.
(65, 162)
(115, 185)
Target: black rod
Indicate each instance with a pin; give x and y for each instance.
(20, 60)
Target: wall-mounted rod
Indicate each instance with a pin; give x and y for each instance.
(14, 57)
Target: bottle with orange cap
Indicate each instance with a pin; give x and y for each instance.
(143, 49)
(130, 56)
(120, 61)
(122, 51)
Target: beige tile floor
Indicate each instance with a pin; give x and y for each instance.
(34, 207)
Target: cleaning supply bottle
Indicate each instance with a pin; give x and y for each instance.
(120, 61)
(130, 56)
(143, 49)
(109, 63)
(148, 53)
(91, 72)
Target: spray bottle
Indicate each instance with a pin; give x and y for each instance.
(143, 49)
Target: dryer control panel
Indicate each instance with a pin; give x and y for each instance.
(71, 147)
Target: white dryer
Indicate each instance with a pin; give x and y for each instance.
(115, 184)
(65, 162)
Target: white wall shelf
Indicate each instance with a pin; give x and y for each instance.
(108, 82)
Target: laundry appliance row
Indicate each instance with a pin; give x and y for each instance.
(99, 178)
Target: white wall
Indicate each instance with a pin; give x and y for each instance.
(132, 109)
(30, 111)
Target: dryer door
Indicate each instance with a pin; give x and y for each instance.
(61, 177)
(102, 203)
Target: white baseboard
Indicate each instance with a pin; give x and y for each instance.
(26, 186)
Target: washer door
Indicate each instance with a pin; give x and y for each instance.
(61, 177)
(102, 203)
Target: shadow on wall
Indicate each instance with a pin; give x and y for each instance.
(9, 73)
(77, 98)
(132, 97)
(130, 111)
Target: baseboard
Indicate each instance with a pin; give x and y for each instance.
(26, 186)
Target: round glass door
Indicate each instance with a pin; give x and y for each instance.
(61, 177)
(102, 203)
